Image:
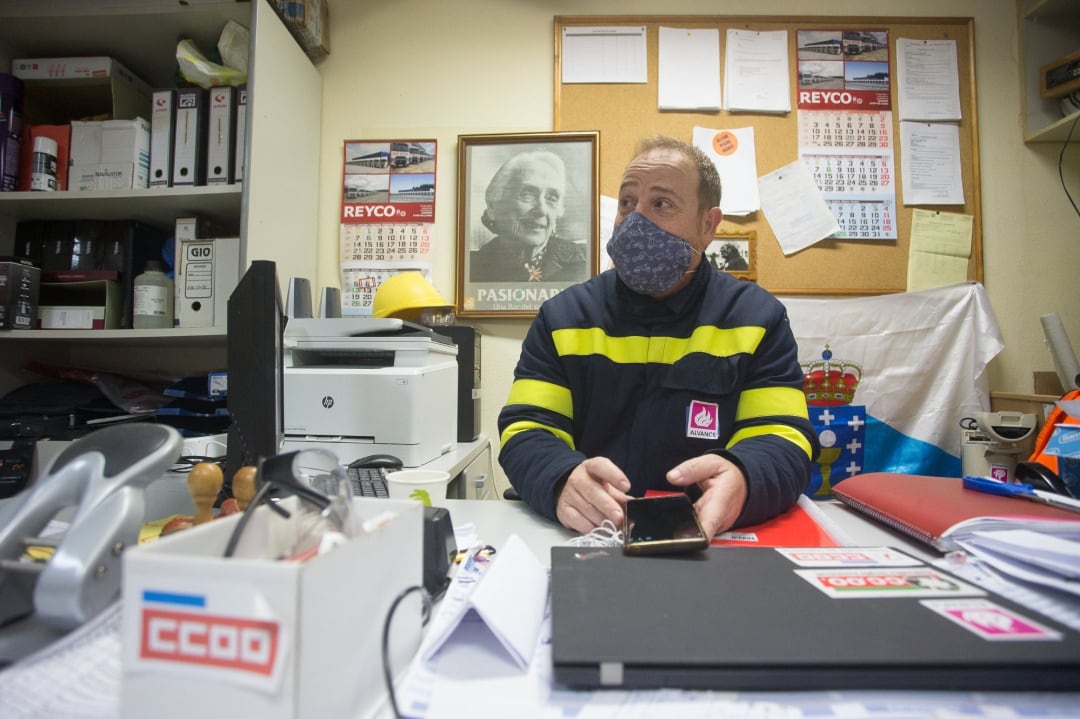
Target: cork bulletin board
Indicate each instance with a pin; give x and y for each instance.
(625, 113)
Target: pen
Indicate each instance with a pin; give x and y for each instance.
(1019, 489)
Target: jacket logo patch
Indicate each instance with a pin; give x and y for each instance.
(702, 420)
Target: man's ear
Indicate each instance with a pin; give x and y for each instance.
(709, 223)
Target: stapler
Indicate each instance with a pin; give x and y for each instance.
(102, 476)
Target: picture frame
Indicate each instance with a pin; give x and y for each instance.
(734, 253)
(528, 219)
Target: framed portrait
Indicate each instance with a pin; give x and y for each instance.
(733, 253)
(528, 223)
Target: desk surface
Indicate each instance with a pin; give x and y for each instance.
(496, 521)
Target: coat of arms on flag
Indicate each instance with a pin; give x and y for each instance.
(841, 426)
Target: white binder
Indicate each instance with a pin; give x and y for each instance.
(162, 136)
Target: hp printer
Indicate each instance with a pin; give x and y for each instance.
(359, 386)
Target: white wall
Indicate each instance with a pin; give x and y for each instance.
(437, 69)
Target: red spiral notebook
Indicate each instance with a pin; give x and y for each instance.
(939, 510)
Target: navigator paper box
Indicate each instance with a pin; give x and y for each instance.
(110, 155)
(1064, 444)
(254, 636)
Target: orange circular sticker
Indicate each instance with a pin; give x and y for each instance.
(725, 143)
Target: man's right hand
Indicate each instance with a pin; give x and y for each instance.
(594, 491)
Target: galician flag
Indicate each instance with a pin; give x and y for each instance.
(889, 378)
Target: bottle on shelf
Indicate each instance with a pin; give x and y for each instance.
(43, 174)
(153, 298)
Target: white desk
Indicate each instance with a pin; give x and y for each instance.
(496, 521)
(471, 468)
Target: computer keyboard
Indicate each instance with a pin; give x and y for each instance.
(368, 481)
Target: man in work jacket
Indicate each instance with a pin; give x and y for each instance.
(663, 374)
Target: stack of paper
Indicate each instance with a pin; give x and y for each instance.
(1052, 561)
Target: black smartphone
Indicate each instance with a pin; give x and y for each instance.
(662, 525)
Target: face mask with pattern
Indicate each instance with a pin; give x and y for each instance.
(647, 258)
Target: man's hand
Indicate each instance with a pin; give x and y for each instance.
(723, 490)
(594, 491)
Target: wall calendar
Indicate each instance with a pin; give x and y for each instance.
(850, 157)
(386, 242)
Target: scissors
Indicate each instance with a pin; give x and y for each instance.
(1019, 489)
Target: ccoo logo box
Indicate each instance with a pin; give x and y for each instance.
(205, 635)
(240, 644)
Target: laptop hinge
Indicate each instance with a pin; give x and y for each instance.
(611, 674)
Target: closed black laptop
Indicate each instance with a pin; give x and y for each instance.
(741, 618)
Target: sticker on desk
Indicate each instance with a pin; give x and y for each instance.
(991, 621)
(913, 582)
(848, 557)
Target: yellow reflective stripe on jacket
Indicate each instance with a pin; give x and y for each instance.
(715, 341)
(771, 401)
(773, 430)
(545, 395)
(524, 426)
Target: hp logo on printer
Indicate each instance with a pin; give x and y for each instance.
(327, 402)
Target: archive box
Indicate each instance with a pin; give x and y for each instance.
(254, 636)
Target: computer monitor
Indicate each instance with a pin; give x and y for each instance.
(255, 365)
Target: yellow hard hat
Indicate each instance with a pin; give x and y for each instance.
(404, 294)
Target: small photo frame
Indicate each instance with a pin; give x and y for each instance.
(528, 221)
(733, 253)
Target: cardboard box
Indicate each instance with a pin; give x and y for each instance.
(60, 89)
(91, 178)
(309, 21)
(110, 155)
(226, 276)
(1064, 443)
(90, 305)
(290, 638)
(20, 284)
(195, 291)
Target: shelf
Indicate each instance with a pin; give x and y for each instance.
(221, 203)
(1058, 131)
(141, 34)
(275, 221)
(1049, 10)
(179, 336)
(1049, 31)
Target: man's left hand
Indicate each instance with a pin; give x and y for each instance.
(723, 490)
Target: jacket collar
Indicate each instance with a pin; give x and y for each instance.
(685, 300)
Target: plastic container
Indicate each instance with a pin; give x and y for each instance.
(153, 300)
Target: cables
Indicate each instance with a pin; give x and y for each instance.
(1061, 160)
(387, 674)
(260, 497)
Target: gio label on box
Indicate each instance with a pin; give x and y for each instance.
(197, 284)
